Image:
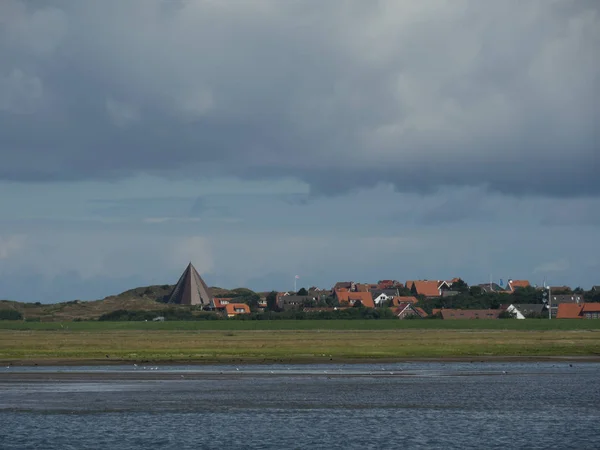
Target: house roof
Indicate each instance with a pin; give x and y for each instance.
(427, 288)
(569, 311)
(361, 287)
(221, 302)
(233, 308)
(470, 313)
(567, 298)
(591, 307)
(389, 292)
(403, 306)
(513, 284)
(404, 299)
(351, 297)
(529, 308)
(493, 288)
(342, 284)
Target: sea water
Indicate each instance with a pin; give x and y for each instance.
(525, 405)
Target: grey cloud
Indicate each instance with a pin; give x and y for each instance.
(343, 95)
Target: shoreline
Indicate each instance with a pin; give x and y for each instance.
(246, 361)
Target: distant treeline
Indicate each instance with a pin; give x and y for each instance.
(183, 314)
(168, 314)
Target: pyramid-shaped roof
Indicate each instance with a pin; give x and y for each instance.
(190, 289)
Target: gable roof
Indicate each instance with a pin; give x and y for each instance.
(342, 284)
(351, 297)
(388, 292)
(237, 308)
(513, 284)
(190, 289)
(404, 299)
(591, 307)
(403, 306)
(493, 288)
(529, 308)
(569, 311)
(427, 288)
(470, 313)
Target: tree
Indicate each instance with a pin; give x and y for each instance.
(302, 292)
(476, 291)
(460, 286)
(10, 314)
(272, 301)
(358, 304)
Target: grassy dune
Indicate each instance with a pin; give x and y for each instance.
(124, 342)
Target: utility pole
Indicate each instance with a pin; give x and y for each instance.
(549, 303)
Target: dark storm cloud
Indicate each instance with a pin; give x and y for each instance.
(343, 95)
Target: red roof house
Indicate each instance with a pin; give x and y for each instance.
(351, 298)
(233, 309)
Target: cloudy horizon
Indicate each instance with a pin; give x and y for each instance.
(262, 139)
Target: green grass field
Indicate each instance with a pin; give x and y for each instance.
(293, 341)
(266, 325)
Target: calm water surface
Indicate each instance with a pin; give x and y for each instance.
(365, 406)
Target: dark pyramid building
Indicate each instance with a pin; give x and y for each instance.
(190, 289)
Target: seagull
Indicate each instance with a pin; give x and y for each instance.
(237, 368)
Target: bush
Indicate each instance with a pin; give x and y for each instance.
(10, 314)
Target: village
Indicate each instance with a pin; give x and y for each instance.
(414, 299)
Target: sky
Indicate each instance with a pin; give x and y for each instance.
(264, 139)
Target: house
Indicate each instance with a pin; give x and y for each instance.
(566, 298)
(569, 311)
(286, 302)
(234, 309)
(559, 289)
(405, 310)
(515, 284)
(448, 314)
(219, 303)
(351, 298)
(425, 288)
(591, 311)
(404, 299)
(578, 311)
(596, 288)
(381, 296)
(526, 310)
(361, 287)
(342, 285)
